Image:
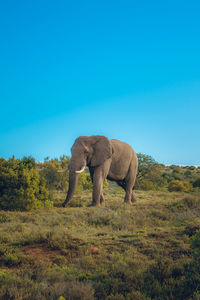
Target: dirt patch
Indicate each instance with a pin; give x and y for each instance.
(94, 249)
(41, 253)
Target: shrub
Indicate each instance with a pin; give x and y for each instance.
(195, 245)
(4, 217)
(4, 277)
(147, 185)
(11, 260)
(163, 279)
(73, 290)
(21, 186)
(191, 201)
(191, 229)
(85, 183)
(196, 183)
(60, 260)
(49, 170)
(8, 255)
(58, 240)
(54, 180)
(191, 283)
(179, 186)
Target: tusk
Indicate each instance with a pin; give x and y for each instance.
(62, 171)
(80, 170)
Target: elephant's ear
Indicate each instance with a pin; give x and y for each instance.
(102, 150)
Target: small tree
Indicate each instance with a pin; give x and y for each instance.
(29, 162)
(149, 175)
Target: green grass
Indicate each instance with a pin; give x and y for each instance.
(113, 252)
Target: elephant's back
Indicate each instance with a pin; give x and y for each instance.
(122, 148)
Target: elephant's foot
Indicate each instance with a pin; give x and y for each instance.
(97, 204)
(128, 202)
(128, 198)
(102, 201)
(133, 197)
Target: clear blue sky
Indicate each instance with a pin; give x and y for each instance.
(124, 69)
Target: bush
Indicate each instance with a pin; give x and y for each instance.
(191, 201)
(179, 186)
(191, 283)
(196, 183)
(195, 245)
(163, 280)
(21, 186)
(85, 182)
(11, 260)
(54, 179)
(147, 185)
(191, 229)
(149, 175)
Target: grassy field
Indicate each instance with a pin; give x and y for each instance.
(117, 252)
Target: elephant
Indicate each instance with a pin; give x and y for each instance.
(105, 158)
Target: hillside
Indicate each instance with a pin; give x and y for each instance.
(149, 250)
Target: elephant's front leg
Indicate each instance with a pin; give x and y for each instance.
(97, 187)
(99, 175)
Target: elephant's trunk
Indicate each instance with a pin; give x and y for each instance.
(73, 180)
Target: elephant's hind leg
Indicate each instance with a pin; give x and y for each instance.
(132, 178)
(130, 181)
(128, 195)
(102, 200)
(128, 190)
(122, 183)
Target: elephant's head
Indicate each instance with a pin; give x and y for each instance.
(86, 151)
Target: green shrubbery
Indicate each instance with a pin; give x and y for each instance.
(196, 183)
(147, 185)
(21, 186)
(179, 186)
(49, 170)
(155, 176)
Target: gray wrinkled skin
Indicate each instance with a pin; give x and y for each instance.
(111, 159)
